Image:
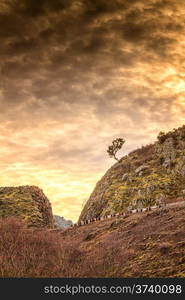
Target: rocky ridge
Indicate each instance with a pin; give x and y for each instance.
(149, 175)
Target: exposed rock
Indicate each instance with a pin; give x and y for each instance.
(168, 148)
(130, 179)
(167, 163)
(141, 169)
(125, 176)
(62, 223)
(141, 177)
(151, 188)
(180, 166)
(27, 202)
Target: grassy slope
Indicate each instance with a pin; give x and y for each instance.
(142, 245)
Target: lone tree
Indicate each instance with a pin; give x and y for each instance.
(116, 145)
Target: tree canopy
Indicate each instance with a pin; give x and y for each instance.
(115, 147)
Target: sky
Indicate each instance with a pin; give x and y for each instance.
(74, 75)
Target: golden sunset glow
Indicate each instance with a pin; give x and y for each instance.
(77, 74)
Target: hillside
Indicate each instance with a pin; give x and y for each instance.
(150, 244)
(27, 202)
(147, 244)
(152, 174)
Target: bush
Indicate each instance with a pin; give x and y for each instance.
(171, 134)
(161, 137)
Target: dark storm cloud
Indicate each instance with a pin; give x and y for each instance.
(71, 40)
(36, 8)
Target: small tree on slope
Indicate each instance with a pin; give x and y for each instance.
(115, 147)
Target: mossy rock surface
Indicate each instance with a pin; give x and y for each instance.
(27, 202)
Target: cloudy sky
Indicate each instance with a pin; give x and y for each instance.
(75, 74)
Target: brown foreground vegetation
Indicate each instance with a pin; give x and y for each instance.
(148, 244)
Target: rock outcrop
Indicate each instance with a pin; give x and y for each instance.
(28, 203)
(146, 176)
(62, 223)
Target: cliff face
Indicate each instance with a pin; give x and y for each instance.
(149, 175)
(27, 202)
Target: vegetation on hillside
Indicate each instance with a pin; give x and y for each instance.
(142, 245)
(27, 202)
(144, 177)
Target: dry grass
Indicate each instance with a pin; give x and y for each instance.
(34, 253)
(142, 245)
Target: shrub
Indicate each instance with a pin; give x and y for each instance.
(161, 137)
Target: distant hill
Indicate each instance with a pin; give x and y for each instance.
(27, 202)
(152, 174)
(60, 222)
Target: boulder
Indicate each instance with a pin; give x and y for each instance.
(169, 151)
(125, 177)
(139, 170)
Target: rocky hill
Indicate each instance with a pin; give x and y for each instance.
(61, 222)
(152, 174)
(27, 202)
